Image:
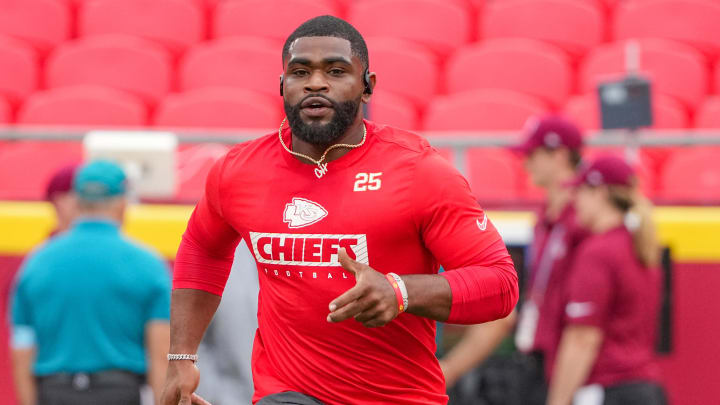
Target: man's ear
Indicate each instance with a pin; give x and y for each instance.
(372, 80)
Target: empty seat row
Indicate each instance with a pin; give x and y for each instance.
(575, 26)
(228, 108)
(531, 67)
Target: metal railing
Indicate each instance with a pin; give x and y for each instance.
(458, 141)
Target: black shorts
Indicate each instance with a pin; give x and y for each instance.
(635, 393)
(288, 398)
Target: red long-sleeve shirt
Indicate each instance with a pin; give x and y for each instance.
(397, 206)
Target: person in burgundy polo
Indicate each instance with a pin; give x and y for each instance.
(552, 152)
(606, 353)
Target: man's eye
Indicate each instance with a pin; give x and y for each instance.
(336, 71)
(299, 72)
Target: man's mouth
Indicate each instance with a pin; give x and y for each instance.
(316, 107)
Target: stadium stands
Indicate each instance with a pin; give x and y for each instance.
(19, 67)
(481, 110)
(573, 25)
(674, 68)
(32, 163)
(404, 68)
(668, 113)
(440, 25)
(5, 111)
(243, 62)
(523, 65)
(693, 175)
(694, 22)
(390, 109)
(42, 23)
(493, 175)
(708, 115)
(219, 107)
(85, 106)
(172, 23)
(122, 62)
(274, 19)
(460, 65)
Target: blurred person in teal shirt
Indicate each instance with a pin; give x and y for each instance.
(90, 312)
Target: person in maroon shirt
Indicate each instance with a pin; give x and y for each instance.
(613, 296)
(552, 151)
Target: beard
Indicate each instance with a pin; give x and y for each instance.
(322, 134)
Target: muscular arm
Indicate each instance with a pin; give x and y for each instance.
(578, 350)
(190, 314)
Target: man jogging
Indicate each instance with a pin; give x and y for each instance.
(349, 222)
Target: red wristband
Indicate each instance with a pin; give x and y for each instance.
(398, 292)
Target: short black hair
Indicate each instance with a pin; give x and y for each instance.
(329, 26)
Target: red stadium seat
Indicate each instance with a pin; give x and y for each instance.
(5, 111)
(522, 65)
(708, 115)
(248, 63)
(219, 108)
(172, 23)
(674, 68)
(493, 175)
(122, 62)
(667, 112)
(194, 164)
(274, 19)
(482, 110)
(87, 106)
(440, 25)
(404, 68)
(32, 163)
(42, 23)
(575, 26)
(389, 109)
(691, 21)
(692, 175)
(19, 67)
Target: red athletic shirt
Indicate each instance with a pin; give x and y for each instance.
(610, 289)
(397, 206)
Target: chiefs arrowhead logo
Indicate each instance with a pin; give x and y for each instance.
(302, 212)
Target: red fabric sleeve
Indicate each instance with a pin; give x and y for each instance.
(205, 255)
(590, 287)
(455, 229)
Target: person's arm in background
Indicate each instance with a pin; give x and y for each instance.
(25, 387)
(477, 343)
(578, 350)
(589, 294)
(202, 267)
(480, 284)
(157, 343)
(23, 343)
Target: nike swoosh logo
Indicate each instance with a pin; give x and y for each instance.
(482, 225)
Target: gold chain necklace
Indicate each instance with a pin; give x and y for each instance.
(321, 170)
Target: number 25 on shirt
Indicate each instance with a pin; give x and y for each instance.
(367, 182)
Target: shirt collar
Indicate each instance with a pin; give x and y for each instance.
(96, 223)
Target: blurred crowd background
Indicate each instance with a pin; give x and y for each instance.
(468, 74)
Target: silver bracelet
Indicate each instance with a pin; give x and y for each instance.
(403, 289)
(191, 357)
